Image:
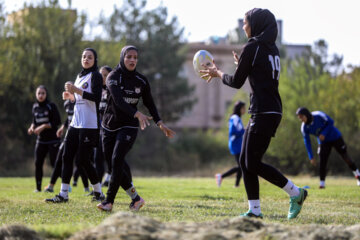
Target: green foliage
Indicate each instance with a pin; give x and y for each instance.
(162, 53)
(39, 45)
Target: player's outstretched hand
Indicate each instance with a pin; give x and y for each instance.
(313, 162)
(236, 58)
(210, 72)
(143, 119)
(167, 131)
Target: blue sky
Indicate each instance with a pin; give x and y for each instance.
(303, 21)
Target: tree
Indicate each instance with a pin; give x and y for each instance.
(41, 45)
(162, 53)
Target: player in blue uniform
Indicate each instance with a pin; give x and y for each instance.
(236, 132)
(322, 126)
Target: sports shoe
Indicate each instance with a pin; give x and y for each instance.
(87, 190)
(358, 180)
(105, 206)
(37, 191)
(218, 179)
(74, 184)
(321, 187)
(250, 214)
(296, 203)
(136, 205)
(98, 197)
(48, 189)
(57, 199)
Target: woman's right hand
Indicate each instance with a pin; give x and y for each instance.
(68, 96)
(143, 119)
(60, 131)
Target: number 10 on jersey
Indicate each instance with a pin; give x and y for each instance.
(275, 64)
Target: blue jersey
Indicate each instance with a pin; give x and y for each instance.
(322, 124)
(236, 132)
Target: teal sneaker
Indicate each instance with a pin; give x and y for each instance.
(251, 215)
(296, 203)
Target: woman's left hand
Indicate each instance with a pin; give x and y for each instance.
(211, 72)
(167, 131)
(39, 129)
(69, 87)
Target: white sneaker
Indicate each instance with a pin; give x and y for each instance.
(218, 179)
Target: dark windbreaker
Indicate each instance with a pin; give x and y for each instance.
(259, 61)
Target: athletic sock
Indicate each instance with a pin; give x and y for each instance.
(97, 187)
(64, 190)
(132, 192)
(322, 183)
(356, 172)
(254, 206)
(291, 189)
(107, 177)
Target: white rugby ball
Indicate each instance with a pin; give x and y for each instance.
(202, 57)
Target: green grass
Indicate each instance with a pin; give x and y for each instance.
(177, 199)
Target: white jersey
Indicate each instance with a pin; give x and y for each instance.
(85, 115)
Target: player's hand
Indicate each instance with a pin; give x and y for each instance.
(70, 87)
(68, 96)
(31, 130)
(167, 131)
(321, 137)
(210, 72)
(236, 58)
(313, 162)
(143, 119)
(60, 131)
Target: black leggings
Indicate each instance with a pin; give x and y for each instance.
(79, 141)
(256, 140)
(233, 170)
(58, 167)
(324, 153)
(79, 171)
(41, 149)
(100, 158)
(116, 145)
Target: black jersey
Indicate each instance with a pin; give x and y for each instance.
(259, 61)
(125, 91)
(103, 102)
(46, 113)
(69, 109)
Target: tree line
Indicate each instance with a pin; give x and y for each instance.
(42, 44)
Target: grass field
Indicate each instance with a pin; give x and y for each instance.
(177, 199)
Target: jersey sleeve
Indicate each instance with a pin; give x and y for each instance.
(33, 116)
(149, 103)
(116, 93)
(329, 123)
(243, 69)
(96, 88)
(307, 143)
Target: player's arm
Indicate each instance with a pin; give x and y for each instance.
(243, 69)
(96, 89)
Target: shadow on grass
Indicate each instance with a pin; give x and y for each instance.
(215, 198)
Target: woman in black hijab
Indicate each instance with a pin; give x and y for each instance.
(121, 122)
(83, 133)
(46, 119)
(259, 62)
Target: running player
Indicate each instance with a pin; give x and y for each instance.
(259, 62)
(236, 132)
(121, 121)
(83, 133)
(46, 119)
(322, 126)
(69, 109)
(99, 155)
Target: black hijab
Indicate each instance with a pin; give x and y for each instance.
(46, 101)
(121, 65)
(237, 108)
(306, 112)
(263, 26)
(94, 67)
